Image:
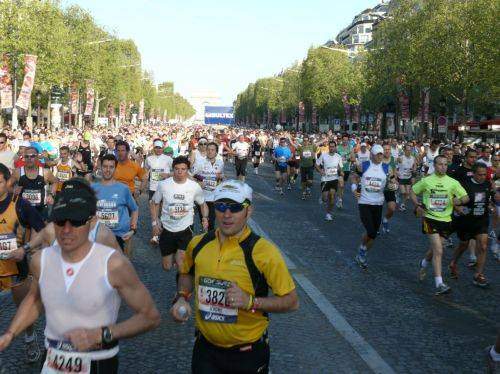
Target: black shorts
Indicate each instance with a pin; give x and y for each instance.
(468, 228)
(330, 185)
(281, 168)
(404, 182)
(171, 242)
(293, 163)
(306, 174)
(371, 218)
(432, 226)
(346, 175)
(389, 196)
(241, 166)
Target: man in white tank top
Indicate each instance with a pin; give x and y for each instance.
(76, 283)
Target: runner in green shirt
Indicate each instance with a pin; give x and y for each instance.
(307, 153)
(441, 194)
(346, 151)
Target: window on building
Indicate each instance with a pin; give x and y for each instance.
(368, 30)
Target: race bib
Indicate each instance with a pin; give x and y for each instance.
(438, 202)
(212, 301)
(209, 184)
(156, 175)
(177, 210)
(63, 175)
(282, 159)
(306, 154)
(8, 244)
(107, 213)
(479, 203)
(331, 172)
(34, 197)
(373, 185)
(58, 362)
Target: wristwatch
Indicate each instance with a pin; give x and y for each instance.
(106, 335)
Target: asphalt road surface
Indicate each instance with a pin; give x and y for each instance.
(380, 320)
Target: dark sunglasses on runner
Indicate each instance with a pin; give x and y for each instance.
(30, 156)
(73, 222)
(233, 207)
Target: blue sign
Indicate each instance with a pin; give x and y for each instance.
(219, 115)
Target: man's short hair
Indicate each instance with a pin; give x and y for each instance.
(123, 143)
(181, 160)
(109, 157)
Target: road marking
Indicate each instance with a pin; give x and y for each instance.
(367, 353)
(265, 197)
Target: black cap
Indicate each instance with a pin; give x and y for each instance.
(74, 204)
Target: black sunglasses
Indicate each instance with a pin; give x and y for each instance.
(73, 222)
(233, 207)
(30, 156)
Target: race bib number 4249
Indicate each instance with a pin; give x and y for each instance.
(58, 362)
(212, 301)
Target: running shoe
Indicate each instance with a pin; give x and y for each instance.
(442, 289)
(308, 191)
(472, 263)
(480, 281)
(402, 207)
(385, 227)
(361, 260)
(289, 188)
(303, 195)
(33, 353)
(496, 256)
(281, 191)
(340, 204)
(448, 242)
(422, 272)
(328, 217)
(492, 234)
(492, 367)
(453, 270)
(154, 240)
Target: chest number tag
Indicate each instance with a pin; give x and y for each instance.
(212, 301)
(58, 362)
(34, 197)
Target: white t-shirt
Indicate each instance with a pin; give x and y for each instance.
(405, 167)
(209, 173)
(178, 203)
(241, 149)
(373, 183)
(429, 160)
(157, 165)
(331, 165)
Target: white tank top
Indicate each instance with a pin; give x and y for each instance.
(86, 301)
(373, 183)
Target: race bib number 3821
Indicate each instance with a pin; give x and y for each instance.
(212, 301)
(58, 362)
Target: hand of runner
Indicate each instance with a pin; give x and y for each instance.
(175, 310)
(84, 339)
(49, 200)
(357, 195)
(128, 235)
(459, 209)
(204, 223)
(137, 193)
(236, 297)
(5, 340)
(17, 255)
(157, 229)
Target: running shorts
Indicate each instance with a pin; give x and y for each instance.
(432, 226)
(306, 174)
(171, 242)
(330, 185)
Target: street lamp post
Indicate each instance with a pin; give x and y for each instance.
(38, 96)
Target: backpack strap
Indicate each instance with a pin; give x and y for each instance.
(258, 280)
(207, 238)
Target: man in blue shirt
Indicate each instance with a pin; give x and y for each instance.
(281, 155)
(116, 207)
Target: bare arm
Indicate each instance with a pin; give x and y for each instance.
(49, 177)
(279, 304)
(106, 237)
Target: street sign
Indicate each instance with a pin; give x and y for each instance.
(442, 122)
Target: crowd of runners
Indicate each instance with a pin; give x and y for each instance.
(69, 210)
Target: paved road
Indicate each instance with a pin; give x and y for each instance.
(350, 321)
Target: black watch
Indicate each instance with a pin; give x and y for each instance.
(106, 336)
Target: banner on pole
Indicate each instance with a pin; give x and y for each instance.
(89, 107)
(24, 98)
(5, 84)
(140, 117)
(73, 98)
(404, 102)
(123, 107)
(302, 112)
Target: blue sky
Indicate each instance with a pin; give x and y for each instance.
(222, 45)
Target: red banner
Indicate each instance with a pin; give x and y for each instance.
(5, 84)
(24, 98)
(140, 116)
(423, 115)
(73, 98)
(302, 112)
(123, 107)
(314, 116)
(404, 102)
(347, 107)
(89, 107)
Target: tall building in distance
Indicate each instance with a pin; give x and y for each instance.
(359, 32)
(200, 99)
